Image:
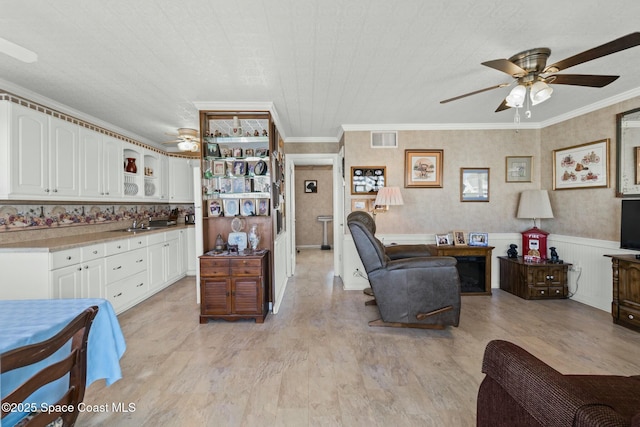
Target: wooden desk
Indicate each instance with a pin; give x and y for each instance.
(474, 266)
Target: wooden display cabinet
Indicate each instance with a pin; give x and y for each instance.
(534, 280)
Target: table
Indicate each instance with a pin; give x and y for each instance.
(24, 322)
(474, 266)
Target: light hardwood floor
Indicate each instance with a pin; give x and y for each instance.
(318, 363)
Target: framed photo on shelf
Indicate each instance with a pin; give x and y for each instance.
(442, 239)
(249, 152)
(231, 207)
(248, 207)
(423, 168)
(214, 207)
(239, 168)
(581, 166)
(219, 167)
(478, 239)
(225, 152)
(237, 151)
(458, 238)
(367, 179)
(225, 185)
(518, 169)
(262, 207)
(213, 150)
(261, 184)
(262, 152)
(474, 185)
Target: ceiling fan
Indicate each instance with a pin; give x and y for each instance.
(530, 71)
(186, 140)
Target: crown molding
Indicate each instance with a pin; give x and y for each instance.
(437, 126)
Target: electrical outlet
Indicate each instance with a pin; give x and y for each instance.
(575, 267)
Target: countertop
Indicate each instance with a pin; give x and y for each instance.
(70, 242)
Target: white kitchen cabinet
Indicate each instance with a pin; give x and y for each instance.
(180, 180)
(42, 154)
(164, 178)
(66, 282)
(164, 263)
(100, 165)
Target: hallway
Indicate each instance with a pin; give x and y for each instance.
(318, 363)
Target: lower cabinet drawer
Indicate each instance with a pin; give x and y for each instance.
(65, 258)
(246, 267)
(557, 291)
(122, 293)
(124, 265)
(538, 292)
(214, 267)
(630, 316)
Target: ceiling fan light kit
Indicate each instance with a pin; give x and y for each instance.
(187, 140)
(530, 71)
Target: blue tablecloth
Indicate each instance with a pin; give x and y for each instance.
(24, 322)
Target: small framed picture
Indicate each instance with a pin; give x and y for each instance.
(237, 152)
(219, 167)
(214, 207)
(474, 184)
(458, 238)
(225, 185)
(262, 152)
(518, 169)
(359, 205)
(478, 239)
(213, 150)
(262, 207)
(248, 207)
(261, 184)
(249, 152)
(238, 185)
(225, 152)
(311, 186)
(442, 239)
(248, 185)
(231, 207)
(239, 168)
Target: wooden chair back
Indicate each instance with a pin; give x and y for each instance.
(74, 364)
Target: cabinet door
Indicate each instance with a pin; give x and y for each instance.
(539, 276)
(155, 268)
(91, 163)
(629, 284)
(67, 281)
(63, 157)
(164, 178)
(216, 295)
(29, 152)
(172, 259)
(556, 276)
(247, 295)
(112, 167)
(93, 279)
(181, 177)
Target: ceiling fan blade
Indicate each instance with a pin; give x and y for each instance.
(590, 80)
(506, 67)
(475, 92)
(625, 42)
(503, 106)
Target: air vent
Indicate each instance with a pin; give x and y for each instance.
(384, 139)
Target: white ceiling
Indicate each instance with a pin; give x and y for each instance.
(141, 65)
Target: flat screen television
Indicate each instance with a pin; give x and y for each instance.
(630, 225)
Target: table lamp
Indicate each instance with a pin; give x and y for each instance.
(534, 204)
(387, 196)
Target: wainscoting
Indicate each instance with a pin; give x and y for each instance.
(589, 282)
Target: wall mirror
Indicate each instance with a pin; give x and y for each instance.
(628, 154)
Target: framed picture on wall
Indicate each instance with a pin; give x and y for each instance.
(423, 168)
(367, 179)
(311, 186)
(518, 169)
(359, 205)
(474, 185)
(581, 166)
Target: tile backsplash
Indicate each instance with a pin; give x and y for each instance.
(16, 218)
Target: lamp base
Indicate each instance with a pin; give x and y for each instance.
(534, 243)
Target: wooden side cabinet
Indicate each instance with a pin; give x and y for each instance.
(233, 287)
(528, 280)
(625, 307)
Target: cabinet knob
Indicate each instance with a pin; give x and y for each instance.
(46, 190)
(116, 296)
(631, 317)
(117, 268)
(79, 268)
(95, 252)
(69, 257)
(139, 261)
(55, 190)
(141, 284)
(542, 292)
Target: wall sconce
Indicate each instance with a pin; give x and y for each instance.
(387, 196)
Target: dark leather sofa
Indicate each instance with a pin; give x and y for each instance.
(521, 390)
(412, 289)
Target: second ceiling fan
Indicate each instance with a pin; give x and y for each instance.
(530, 71)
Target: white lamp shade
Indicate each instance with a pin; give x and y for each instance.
(516, 96)
(540, 92)
(534, 204)
(388, 196)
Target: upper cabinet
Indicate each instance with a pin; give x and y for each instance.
(44, 155)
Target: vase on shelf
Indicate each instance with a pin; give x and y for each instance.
(131, 165)
(254, 237)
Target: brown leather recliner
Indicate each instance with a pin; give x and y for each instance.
(410, 291)
(521, 390)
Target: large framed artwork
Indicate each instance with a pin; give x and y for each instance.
(581, 166)
(367, 179)
(423, 168)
